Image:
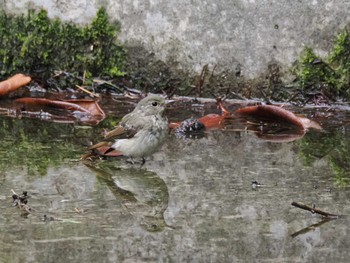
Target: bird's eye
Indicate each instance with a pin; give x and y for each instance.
(154, 103)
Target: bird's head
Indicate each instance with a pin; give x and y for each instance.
(151, 105)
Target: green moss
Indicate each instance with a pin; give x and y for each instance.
(341, 51)
(340, 60)
(313, 72)
(329, 75)
(37, 45)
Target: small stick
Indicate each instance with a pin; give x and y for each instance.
(121, 90)
(201, 79)
(315, 210)
(87, 91)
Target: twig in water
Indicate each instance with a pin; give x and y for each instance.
(315, 210)
(114, 87)
(201, 79)
(87, 91)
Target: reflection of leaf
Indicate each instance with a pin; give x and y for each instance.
(13, 83)
(280, 137)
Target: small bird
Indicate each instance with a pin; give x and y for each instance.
(140, 133)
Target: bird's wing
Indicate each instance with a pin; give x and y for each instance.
(98, 145)
(118, 131)
(126, 128)
(122, 131)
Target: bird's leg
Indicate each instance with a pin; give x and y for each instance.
(143, 161)
(130, 161)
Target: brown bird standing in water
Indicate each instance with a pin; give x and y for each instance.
(140, 133)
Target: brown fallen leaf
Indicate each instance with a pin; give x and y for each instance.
(13, 83)
(91, 105)
(210, 121)
(279, 114)
(88, 106)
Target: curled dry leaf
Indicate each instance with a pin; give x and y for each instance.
(279, 114)
(13, 83)
(91, 106)
(266, 112)
(88, 106)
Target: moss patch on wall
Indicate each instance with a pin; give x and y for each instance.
(329, 76)
(38, 46)
(42, 47)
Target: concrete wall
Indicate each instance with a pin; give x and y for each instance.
(249, 34)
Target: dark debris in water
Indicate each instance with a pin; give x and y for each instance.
(47, 218)
(21, 201)
(256, 184)
(190, 127)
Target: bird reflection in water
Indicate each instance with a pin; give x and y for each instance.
(142, 193)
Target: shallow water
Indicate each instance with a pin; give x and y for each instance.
(193, 201)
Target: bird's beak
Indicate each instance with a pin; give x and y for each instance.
(168, 101)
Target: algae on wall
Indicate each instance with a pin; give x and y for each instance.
(330, 75)
(37, 45)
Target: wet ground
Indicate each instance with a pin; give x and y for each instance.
(193, 201)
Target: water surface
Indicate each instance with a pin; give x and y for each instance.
(193, 201)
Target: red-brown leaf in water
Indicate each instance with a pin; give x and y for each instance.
(13, 83)
(271, 112)
(174, 125)
(91, 105)
(88, 106)
(212, 121)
